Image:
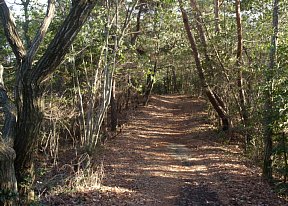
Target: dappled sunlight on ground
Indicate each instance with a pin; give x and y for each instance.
(169, 150)
(167, 155)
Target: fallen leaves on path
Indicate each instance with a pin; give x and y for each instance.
(167, 155)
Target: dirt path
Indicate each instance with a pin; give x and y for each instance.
(166, 155)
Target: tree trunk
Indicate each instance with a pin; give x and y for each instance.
(26, 22)
(174, 77)
(113, 104)
(209, 93)
(239, 62)
(216, 16)
(138, 25)
(128, 94)
(268, 107)
(8, 183)
(149, 84)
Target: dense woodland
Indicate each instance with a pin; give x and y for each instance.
(70, 70)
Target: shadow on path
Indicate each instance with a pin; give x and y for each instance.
(167, 155)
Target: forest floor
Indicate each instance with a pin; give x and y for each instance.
(169, 154)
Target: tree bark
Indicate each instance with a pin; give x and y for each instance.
(209, 93)
(199, 25)
(138, 25)
(239, 63)
(149, 84)
(174, 77)
(216, 16)
(268, 107)
(8, 183)
(113, 104)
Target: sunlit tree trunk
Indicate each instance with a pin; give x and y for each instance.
(268, 107)
(149, 83)
(93, 137)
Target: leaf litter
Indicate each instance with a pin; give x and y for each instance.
(168, 154)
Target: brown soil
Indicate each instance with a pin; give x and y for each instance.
(167, 154)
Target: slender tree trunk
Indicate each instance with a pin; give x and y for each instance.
(268, 107)
(216, 16)
(26, 23)
(149, 84)
(209, 93)
(168, 82)
(239, 63)
(283, 142)
(95, 127)
(174, 77)
(138, 25)
(113, 104)
(199, 25)
(128, 94)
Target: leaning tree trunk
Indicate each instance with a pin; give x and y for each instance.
(268, 107)
(209, 93)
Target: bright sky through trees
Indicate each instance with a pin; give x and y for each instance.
(15, 5)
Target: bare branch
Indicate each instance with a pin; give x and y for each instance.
(11, 31)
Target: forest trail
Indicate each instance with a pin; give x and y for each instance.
(167, 155)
